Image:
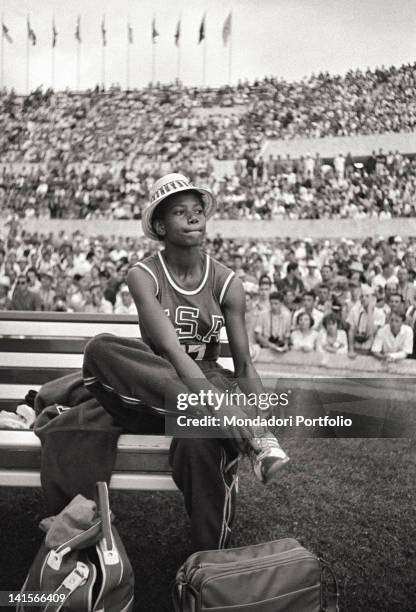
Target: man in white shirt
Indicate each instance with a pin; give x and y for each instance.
(273, 327)
(393, 341)
(309, 307)
(124, 302)
(364, 321)
(98, 304)
(313, 277)
(387, 276)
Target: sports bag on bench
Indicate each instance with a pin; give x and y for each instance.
(279, 576)
(82, 565)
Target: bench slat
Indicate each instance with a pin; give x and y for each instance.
(32, 376)
(67, 329)
(43, 345)
(119, 481)
(135, 453)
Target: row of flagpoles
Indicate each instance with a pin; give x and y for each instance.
(32, 40)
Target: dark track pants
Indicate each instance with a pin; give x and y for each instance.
(132, 384)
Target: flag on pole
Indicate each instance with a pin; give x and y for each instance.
(178, 33)
(103, 32)
(30, 33)
(5, 33)
(129, 34)
(54, 33)
(78, 30)
(202, 30)
(155, 33)
(226, 29)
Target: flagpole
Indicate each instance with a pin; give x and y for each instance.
(53, 68)
(230, 52)
(78, 67)
(103, 66)
(128, 66)
(204, 59)
(2, 54)
(153, 62)
(128, 56)
(53, 54)
(178, 69)
(27, 56)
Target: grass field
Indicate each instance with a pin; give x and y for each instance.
(352, 501)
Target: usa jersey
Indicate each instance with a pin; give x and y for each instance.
(195, 314)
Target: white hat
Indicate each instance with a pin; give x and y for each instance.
(4, 281)
(367, 290)
(311, 264)
(166, 186)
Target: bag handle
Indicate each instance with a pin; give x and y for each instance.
(332, 597)
(107, 544)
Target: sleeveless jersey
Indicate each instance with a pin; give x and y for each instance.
(195, 314)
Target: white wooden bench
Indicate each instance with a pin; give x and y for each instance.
(38, 347)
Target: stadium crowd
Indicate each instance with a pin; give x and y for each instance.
(159, 121)
(384, 186)
(95, 153)
(355, 297)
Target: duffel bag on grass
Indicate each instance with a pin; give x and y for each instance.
(82, 565)
(279, 576)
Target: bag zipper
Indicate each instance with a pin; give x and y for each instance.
(196, 554)
(260, 566)
(56, 555)
(242, 564)
(73, 581)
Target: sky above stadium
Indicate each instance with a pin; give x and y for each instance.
(286, 38)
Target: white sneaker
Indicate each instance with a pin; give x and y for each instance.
(268, 459)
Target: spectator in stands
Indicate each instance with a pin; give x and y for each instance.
(33, 280)
(262, 303)
(308, 305)
(22, 298)
(5, 303)
(394, 341)
(327, 276)
(272, 329)
(80, 296)
(303, 338)
(323, 302)
(46, 293)
(292, 280)
(364, 321)
(387, 275)
(124, 302)
(396, 303)
(332, 339)
(97, 303)
(405, 288)
(312, 279)
(60, 303)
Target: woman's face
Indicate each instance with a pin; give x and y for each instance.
(304, 322)
(183, 222)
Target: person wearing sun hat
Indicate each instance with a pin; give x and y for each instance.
(184, 298)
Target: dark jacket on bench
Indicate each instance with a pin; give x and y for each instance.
(79, 441)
